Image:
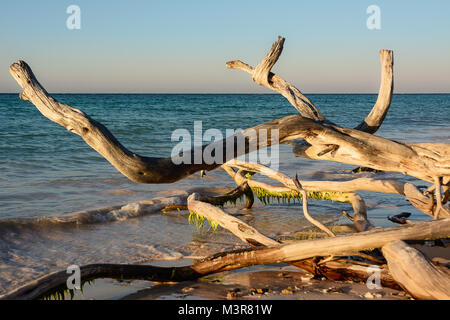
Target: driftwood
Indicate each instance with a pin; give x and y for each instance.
(313, 136)
(243, 231)
(410, 270)
(339, 268)
(353, 146)
(314, 189)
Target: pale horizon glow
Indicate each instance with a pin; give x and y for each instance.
(181, 47)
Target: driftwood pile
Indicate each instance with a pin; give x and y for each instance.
(335, 256)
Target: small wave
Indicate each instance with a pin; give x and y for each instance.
(159, 252)
(120, 192)
(102, 215)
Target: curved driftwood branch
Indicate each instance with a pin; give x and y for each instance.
(318, 224)
(135, 167)
(57, 281)
(262, 75)
(376, 116)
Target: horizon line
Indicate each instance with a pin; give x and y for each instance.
(227, 93)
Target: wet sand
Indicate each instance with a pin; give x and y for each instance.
(270, 282)
(274, 282)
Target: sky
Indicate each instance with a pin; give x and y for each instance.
(181, 46)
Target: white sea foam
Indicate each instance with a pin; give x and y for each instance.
(102, 215)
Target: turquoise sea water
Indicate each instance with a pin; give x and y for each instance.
(48, 172)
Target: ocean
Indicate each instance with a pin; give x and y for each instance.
(48, 174)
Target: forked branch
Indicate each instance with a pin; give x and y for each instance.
(262, 75)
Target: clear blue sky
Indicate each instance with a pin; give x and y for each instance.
(182, 46)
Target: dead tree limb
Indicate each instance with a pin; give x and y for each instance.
(135, 167)
(318, 224)
(335, 143)
(243, 231)
(262, 75)
(376, 116)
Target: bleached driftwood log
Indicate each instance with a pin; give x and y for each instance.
(430, 230)
(243, 231)
(415, 273)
